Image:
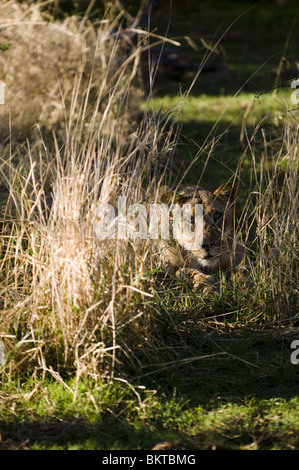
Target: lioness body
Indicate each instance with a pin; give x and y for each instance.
(218, 249)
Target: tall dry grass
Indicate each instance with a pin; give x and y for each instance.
(270, 225)
(69, 300)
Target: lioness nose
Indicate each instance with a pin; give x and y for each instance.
(206, 247)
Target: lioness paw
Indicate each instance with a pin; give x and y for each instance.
(199, 280)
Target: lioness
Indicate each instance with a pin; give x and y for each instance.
(219, 247)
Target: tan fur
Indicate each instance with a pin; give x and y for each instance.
(220, 249)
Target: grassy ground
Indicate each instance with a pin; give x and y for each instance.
(244, 398)
(188, 370)
(111, 417)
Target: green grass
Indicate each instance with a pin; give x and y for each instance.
(231, 120)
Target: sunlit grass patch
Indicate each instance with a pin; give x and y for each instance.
(226, 110)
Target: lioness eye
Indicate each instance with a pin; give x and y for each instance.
(217, 215)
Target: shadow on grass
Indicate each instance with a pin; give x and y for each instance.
(204, 365)
(107, 433)
(111, 434)
(258, 47)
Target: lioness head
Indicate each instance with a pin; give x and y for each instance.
(219, 247)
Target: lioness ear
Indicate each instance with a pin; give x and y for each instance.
(227, 191)
(168, 196)
(165, 194)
